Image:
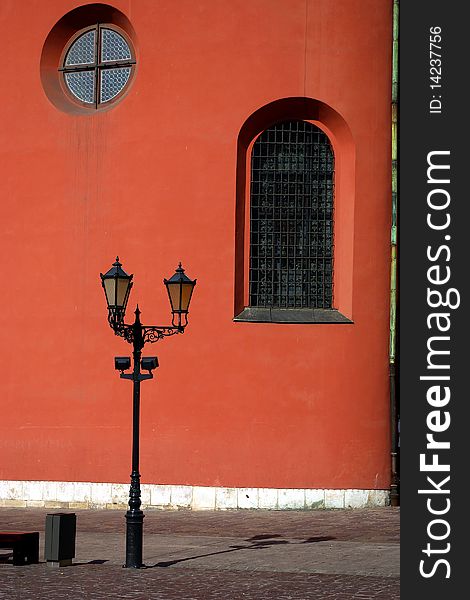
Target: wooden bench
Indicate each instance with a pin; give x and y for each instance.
(25, 546)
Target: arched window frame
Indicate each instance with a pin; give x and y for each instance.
(334, 126)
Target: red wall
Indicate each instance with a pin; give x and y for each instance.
(154, 180)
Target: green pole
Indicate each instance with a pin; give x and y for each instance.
(394, 486)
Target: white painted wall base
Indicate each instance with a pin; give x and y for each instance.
(66, 494)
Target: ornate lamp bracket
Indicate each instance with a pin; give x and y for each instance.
(137, 332)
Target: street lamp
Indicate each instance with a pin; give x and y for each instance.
(117, 285)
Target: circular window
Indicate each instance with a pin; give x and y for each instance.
(97, 65)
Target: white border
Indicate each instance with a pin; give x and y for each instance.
(67, 494)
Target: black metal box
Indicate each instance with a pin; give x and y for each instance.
(60, 538)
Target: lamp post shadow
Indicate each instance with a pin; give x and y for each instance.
(258, 542)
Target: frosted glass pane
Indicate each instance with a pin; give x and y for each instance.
(82, 51)
(114, 46)
(82, 85)
(112, 82)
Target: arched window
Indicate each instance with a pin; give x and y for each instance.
(291, 218)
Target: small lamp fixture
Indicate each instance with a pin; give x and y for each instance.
(117, 285)
(180, 289)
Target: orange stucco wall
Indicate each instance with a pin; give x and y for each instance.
(154, 180)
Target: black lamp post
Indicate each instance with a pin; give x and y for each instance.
(117, 286)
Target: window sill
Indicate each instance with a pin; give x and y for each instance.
(291, 315)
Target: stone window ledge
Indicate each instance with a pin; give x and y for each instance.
(291, 315)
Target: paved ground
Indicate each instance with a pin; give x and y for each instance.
(230, 555)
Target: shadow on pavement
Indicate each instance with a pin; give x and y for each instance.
(258, 542)
(97, 561)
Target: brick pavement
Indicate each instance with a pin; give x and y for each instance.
(233, 555)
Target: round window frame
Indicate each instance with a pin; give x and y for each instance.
(97, 106)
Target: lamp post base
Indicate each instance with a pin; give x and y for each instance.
(134, 538)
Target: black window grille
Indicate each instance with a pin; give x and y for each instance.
(291, 218)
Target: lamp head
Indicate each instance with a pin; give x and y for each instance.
(180, 289)
(122, 363)
(117, 285)
(149, 363)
